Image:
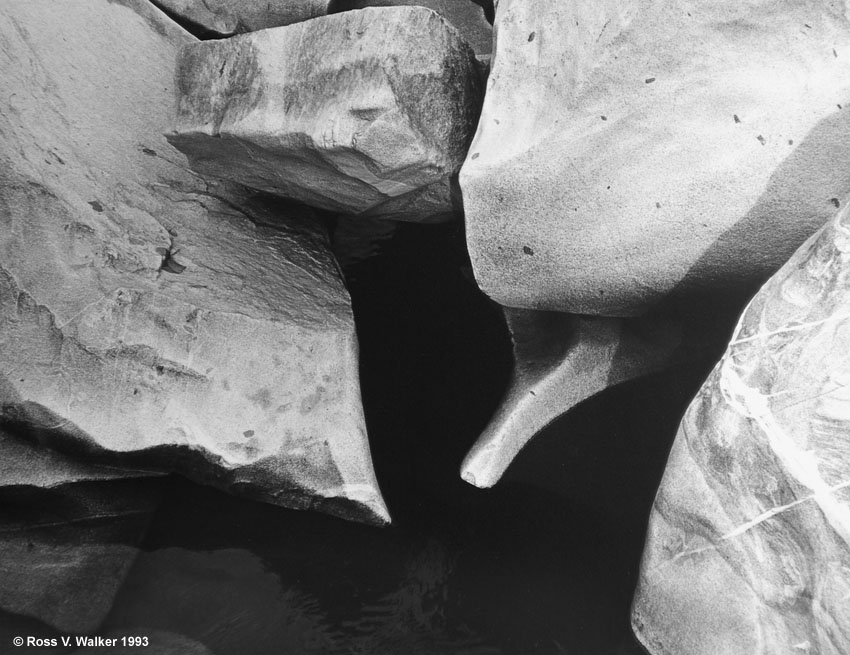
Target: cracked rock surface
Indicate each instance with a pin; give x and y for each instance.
(748, 548)
(630, 150)
(466, 16)
(362, 112)
(228, 17)
(144, 319)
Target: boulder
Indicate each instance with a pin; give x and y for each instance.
(748, 549)
(364, 112)
(228, 17)
(466, 16)
(149, 317)
(631, 150)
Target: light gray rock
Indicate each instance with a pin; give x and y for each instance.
(630, 150)
(466, 16)
(364, 112)
(144, 318)
(748, 549)
(228, 17)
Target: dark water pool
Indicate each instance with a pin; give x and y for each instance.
(543, 564)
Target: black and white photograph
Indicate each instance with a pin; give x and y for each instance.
(424, 327)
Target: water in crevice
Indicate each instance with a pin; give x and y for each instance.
(545, 563)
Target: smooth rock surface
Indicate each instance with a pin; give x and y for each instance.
(466, 16)
(630, 150)
(748, 548)
(228, 17)
(144, 319)
(348, 112)
(560, 360)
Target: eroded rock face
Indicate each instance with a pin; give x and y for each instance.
(560, 360)
(468, 17)
(629, 150)
(228, 17)
(749, 540)
(363, 112)
(144, 318)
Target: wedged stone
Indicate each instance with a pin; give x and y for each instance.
(466, 16)
(145, 320)
(630, 150)
(360, 112)
(748, 548)
(559, 360)
(228, 17)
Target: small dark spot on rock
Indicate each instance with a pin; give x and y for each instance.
(135, 392)
(840, 107)
(160, 370)
(835, 202)
(807, 25)
(475, 155)
(531, 36)
(761, 139)
(649, 80)
(790, 142)
(149, 152)
(658, 205)
(834, 53)
(735, 116)
(527, 250)
(96, 205)
(248, 433)
(604, 118)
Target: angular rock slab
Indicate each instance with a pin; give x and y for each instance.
(466, 16)
(144, 318)
(348, 112)
(748, 548)
(628, 150)
(228, 17)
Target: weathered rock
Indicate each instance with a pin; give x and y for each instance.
(749, 540)
(630, 150)
(144, 319)
(228, 17)
(360, 112)
(560, 360)
(468, 17)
